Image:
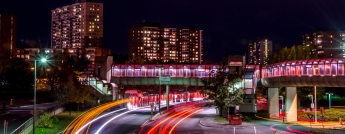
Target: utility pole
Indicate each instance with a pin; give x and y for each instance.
(5, 127)
(315, 107)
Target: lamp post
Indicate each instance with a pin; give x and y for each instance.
(329, 99)
(311, 96)
(315, 107)
(160, 92)
(34, 114)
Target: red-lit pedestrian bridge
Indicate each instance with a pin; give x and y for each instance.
(313, 72)
(148, 74)
(300, 73)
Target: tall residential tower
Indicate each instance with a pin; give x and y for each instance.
(8, 33)
(79, 25)
(258, 51)
(325, 43)
(150, 41)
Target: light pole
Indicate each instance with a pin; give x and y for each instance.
(159, 96)
(312, 98)
(315, 107)
(329, 99)
(34, 114)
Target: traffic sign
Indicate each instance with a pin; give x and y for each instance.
(322, 118)
(166, 78)
(311, 117)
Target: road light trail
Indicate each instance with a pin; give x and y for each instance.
(153, 129)
(98, 119)
(106, 123)
(172, 129)
(173, 120)
(170, 111)
(84, 118)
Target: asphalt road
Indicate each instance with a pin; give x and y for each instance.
(128, 123)
(16, 116)
(131, 121)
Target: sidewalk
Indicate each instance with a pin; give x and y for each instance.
(207, 121)
(327, 125)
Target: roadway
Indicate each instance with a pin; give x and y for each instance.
(129, 122)
(16, 116)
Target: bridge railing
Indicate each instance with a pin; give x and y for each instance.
(152, 70)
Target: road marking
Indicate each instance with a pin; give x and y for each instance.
(4, 113)
(234, 130)
(14, 119)
(255, 130)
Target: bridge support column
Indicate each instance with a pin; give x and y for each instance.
(291, 104)
(273, 102)
(167, 98)
(114, 93)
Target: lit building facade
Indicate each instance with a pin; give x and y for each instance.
(90, 53)
(325, 44)
(8, 32)
(152, 42)
(258, 51)
(79, 25)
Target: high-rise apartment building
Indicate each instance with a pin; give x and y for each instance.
(8, 33)
(152, 42)
(79, 25)
(324, 44)
(258, 51)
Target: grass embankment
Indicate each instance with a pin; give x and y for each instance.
(64, 120)
(220, 119)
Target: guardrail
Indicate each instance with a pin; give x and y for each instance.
(28, 123)
(99, 90)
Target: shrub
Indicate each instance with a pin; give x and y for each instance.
(247, 118)
(55, 119)
(330, 115)
(45, 121)
(263, 113)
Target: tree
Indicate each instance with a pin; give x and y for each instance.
(303, 92)
(77, 93)
(136, 60)
(17, 76)
(216, 87)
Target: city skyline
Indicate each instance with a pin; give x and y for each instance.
(226, 25)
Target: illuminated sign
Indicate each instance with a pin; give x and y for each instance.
(166, 78)
(231, 63)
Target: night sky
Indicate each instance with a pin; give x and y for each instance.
(228, 25)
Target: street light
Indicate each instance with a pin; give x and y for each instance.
(159, 96)
(312, 98)
(329, 99)
(34, 114)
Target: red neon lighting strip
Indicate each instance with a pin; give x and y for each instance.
(173, 128)
(167, 125)
(152, 129)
